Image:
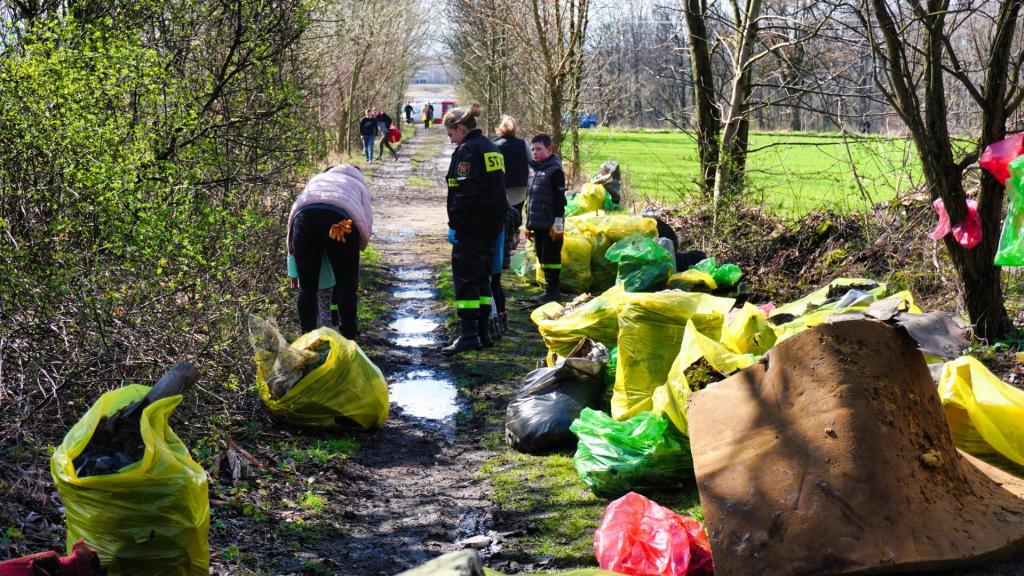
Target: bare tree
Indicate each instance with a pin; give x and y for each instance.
(920, 49)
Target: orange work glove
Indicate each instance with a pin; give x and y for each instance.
(340, 230)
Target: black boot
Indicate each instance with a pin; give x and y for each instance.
(550, 294)
(483, 328)
(469, 339)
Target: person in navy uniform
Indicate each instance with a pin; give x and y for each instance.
(477, 210)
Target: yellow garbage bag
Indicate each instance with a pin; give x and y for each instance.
(152, 517)
(347, 387)
(575, 276)
(985, 414)
(651, 327)
(597, 319)
(748, 332)
(615, 227)
(590, 198)
(670, 398)
(692, 280)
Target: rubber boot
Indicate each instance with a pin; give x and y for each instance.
(469, 339)
(483, 328)
(551, 291)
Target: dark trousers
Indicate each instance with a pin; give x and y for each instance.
(385, 142)
(472, 256)
(498, 293)
(310, 241)
(549, 254)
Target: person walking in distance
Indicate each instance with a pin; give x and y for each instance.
(384, 127)
(428, 114)
(545, 212)
(476, 212)
(331, 216)
(368, 130)
(516, 153)
(408, 112)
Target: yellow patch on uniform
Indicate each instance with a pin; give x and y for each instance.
(494, 161)
(453, 183)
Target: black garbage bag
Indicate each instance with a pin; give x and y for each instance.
(550, 398)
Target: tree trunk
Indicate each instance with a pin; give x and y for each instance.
(705, 110)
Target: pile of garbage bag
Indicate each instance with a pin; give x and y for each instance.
(322, 380)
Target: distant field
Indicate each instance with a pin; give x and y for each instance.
(791, 173)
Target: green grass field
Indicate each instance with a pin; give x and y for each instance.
(790, 173)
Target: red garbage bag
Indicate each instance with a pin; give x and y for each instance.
(82, 562)
(394, 135)
(639, 537)
(967, 233)
(997, 156)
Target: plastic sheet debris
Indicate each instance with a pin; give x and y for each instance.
(289, 364)
(642, 453)
(549, 399)
(985, 414)
(152, 517)
(937, 333)
(467, 563)
(967, 233)
(998, 155)
(82, 561)
(345, 389)
(639, 537)
(644, 265)
(793, 455)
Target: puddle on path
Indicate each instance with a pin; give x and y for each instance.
(411, 325)
(425, 394)
(414, 294)
(422, 393)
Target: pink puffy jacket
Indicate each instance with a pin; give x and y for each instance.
(342, 186)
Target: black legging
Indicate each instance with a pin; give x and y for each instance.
(310, 241)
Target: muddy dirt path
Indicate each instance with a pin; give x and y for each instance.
(419, 494)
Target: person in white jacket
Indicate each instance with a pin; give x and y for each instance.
(332, 216)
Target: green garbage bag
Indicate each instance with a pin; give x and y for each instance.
(1011, 241)
(640, 454)
(644, 265)
(724, 276)
(151, 517)
(524, 263)
(611, 366)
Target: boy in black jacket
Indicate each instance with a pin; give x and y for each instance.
(545, 212)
